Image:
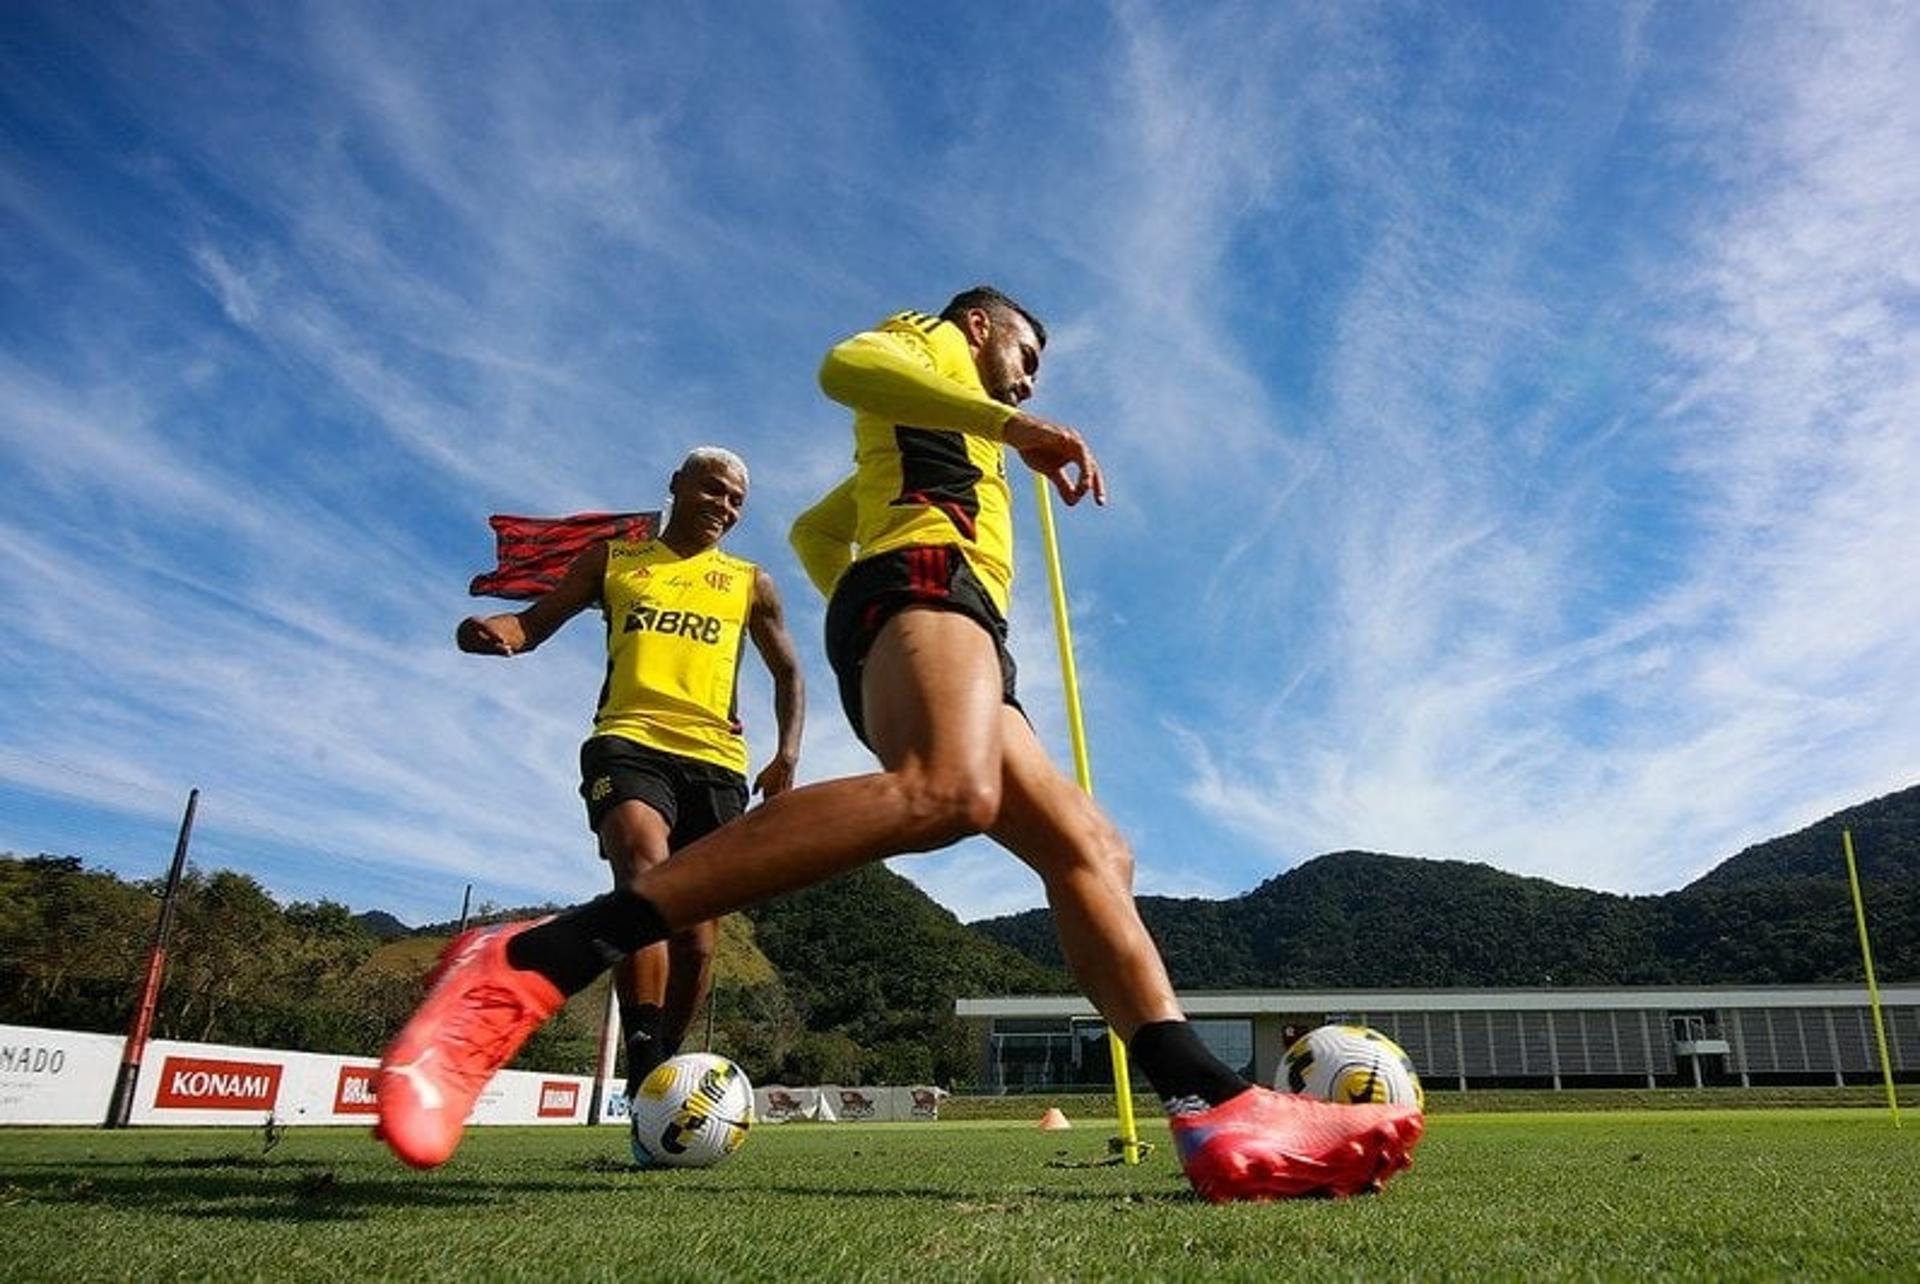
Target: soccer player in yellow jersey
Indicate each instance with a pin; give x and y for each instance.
(916, 550)
(667, 761)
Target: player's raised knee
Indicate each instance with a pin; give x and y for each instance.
(1111, 852)
(1102, 851)
(945, 808)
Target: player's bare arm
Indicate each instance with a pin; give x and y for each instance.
(767, 626)
(1057, 453)
(517, 631)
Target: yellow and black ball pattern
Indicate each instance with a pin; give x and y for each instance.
(1351, 1064)
(692, 1111)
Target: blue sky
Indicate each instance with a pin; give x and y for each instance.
(1509, 409)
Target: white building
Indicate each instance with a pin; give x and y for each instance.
(1465, 1039)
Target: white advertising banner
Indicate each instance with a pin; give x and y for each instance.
(918, 1103)
(527, 1097)
(66, 1077)
(859, 1105)
(613, 1102)
(204, 1083)
(777, 1103)
(56, 1076)
(215, 1083)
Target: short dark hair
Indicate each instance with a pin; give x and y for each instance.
(989, 299)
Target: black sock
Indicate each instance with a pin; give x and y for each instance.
(573, 948)
(1187, 1076)
(640, 1026)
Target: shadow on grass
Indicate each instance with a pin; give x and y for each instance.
(249, 1188)
(690, 1181)
(255, 1188)
(947, 1195)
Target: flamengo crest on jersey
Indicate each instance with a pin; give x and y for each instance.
(675, 627)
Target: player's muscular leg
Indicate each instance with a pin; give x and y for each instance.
(690, 956)
(1051, 824)
(932, 704)
(633, 838)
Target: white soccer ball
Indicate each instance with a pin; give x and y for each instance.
(691, 1112)
(1350, 1064)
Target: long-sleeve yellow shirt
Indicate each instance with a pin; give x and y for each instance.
(929, 467)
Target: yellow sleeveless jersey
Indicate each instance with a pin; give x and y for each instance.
(915, 483)
(675, 628)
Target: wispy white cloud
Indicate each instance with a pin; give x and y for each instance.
(1505, 412)
(1482, 699)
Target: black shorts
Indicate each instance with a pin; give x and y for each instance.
(693, 797)
(877, 588)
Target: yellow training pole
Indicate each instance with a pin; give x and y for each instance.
(1873, 988)
(1076, 730)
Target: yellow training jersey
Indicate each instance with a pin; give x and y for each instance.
(928, 464)
(675, 626)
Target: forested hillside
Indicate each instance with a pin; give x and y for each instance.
(856, 983)
(855, 980)
(875, 964)
(1779, 912)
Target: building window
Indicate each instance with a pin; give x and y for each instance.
(1231, 1040)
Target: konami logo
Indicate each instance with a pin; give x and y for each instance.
(198, 1083)
(353, 1092)
(558, 1100)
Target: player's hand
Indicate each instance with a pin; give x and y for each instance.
(776, 777)
(482, 637)
(1059, 454)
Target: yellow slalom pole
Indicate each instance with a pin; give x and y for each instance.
(1130, 1147)
(1873, 988)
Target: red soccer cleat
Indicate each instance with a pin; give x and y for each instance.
(1265, 1145)
(479, 1009)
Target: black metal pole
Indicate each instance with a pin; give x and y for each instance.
(466, 901)
(120, 1107)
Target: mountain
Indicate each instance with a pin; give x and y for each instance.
(1886, 843)
(382, 926)
(855, 980)
(1779, 912)
(850, 981)
(871, 957)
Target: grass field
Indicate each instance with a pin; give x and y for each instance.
(1826, 1194)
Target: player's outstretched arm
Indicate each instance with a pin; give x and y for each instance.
(767, 625)
(891, 373)
(512, 633)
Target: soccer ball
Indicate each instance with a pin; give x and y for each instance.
(1352, 1064)
(691, 1112)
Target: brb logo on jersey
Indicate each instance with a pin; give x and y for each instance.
(685, 624)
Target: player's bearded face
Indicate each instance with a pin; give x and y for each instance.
(1008, 359)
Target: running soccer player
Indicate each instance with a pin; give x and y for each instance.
(666, 763)
(917, 549)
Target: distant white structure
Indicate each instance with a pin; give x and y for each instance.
(1559, 1038)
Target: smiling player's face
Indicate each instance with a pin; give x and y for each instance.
(707, 499)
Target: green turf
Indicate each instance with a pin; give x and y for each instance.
(1829, 1194)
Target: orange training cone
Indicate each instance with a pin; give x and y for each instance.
(1054, 1120)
